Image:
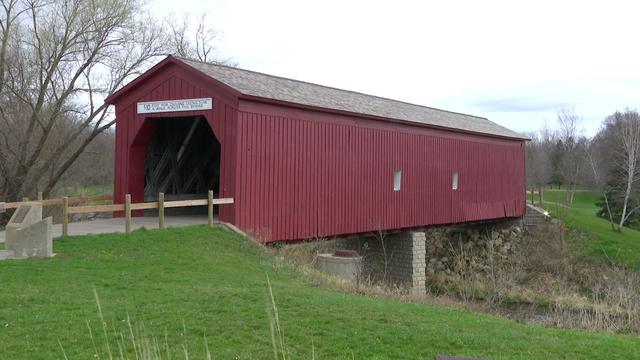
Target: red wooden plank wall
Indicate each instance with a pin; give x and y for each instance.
(300, 179)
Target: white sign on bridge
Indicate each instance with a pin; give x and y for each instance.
(175, 105)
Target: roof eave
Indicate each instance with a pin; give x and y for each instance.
(374, 117)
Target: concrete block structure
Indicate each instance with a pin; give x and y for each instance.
(347, 268)
(398, 259)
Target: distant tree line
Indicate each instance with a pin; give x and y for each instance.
(609, 163)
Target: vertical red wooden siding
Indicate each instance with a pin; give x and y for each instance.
(317, 175)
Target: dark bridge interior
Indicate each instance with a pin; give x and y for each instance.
(182, 160)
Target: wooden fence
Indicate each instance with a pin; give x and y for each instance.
(127, 207)
(59, 202)
(531, 195)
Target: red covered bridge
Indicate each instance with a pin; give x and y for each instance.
(304, 160)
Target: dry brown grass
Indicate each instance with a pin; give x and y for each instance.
(541, 282)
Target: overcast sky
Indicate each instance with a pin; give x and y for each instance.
(513, 62)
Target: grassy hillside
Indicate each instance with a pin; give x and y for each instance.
(191, 284)
(593, 235)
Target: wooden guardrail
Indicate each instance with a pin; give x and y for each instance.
(58, 202)
(128, 206)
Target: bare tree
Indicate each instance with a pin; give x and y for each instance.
(58, 60)
(571, 150)
(539, 150)
(61, 59)
(628, 161)
(195, 42)
(11, 12)
(596, 163)
(381, 236)
(615, 154)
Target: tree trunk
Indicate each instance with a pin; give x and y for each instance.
(627, 194)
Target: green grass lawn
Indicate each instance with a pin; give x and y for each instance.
(593, 236)
(88, 190)
(191, 283)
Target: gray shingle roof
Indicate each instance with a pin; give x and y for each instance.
(299, 92)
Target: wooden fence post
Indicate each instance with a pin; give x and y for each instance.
(161, 210)
(210, 207)
(40, 197)
(65, 216)
(127, 213)
(82, 200)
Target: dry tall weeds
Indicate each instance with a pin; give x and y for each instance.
(542, 282)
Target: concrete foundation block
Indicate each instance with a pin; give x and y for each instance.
(398, 259)
(347, 268)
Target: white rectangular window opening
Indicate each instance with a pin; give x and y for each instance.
(454, 185)
(397, 178)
